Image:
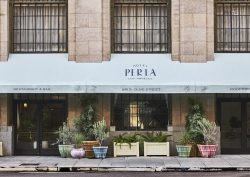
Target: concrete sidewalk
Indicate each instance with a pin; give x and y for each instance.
(52, 164)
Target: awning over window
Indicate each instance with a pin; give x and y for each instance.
(125, 73)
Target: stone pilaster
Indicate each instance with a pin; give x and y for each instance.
(6, 131)
(89, 30)
(4, 30)
(192, 30)
(106, 31)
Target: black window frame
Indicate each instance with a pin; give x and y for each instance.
(38, 2)
(118, 121)
(216, 43)
(168, 42)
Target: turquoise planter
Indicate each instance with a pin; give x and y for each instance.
(183, 151)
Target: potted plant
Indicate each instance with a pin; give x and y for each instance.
(77, 152)
(64, 140)
(195, 114)
(209, 131)
(126, 145)
(84, 124)
(184, 145)
(156, 143)
(101, 133)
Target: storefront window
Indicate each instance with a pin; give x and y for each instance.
(39, 26)
(140, 112)
(141, 26)
(232, 26)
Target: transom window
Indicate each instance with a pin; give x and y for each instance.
(232, 25)
(39, 26)
(140, 112)
(141, 26)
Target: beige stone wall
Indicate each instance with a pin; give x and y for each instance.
(180, 108)
(89, 30)
(192, 30)
(3, 110)
(103, 108)
(4, 30)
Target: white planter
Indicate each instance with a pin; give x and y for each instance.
(154, 148)
(125, 149)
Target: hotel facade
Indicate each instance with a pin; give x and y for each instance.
(143, 59)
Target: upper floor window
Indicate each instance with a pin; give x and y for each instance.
(141, 26)
(232, 26)
(140, 112)
(38, 26)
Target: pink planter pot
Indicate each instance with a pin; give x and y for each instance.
(208, 151)
(77, 153)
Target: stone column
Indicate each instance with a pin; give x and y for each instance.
(192, 30)
(4, 30)
(106, 30)
(72, 29)
(89, 30)
(6, 131)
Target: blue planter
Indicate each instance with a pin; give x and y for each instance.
(100, 152)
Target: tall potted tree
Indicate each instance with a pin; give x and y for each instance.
(101, 133)
(84, 124)
(195, 114)
(209, 132)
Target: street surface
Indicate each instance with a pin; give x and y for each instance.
(130, 174)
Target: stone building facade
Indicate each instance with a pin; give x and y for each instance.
(90, 40)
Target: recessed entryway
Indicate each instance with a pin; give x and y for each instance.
(234, 118)
(36, 123)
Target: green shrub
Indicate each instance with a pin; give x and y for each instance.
(155, 137)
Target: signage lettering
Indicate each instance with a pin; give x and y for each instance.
(140, 72)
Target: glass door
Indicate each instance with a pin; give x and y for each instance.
(235, 126)
(27, 115)
(231, 127)
(36, 125)
(53, 116)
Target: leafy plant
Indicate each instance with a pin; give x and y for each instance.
(84, 124)
(186, 139)
(155, 137)
(100, 131)
(128, 139)
(64, 135)
(209, 130)
(77, 139)
(195, 115)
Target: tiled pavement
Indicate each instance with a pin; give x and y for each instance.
(39, 163)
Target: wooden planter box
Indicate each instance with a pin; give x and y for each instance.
(88, 148)
(125, 150)
(154, 149)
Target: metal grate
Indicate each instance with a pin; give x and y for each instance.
(140, 112)
(232, 26)
(38, 1)
(141, 26)
(39, 26)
